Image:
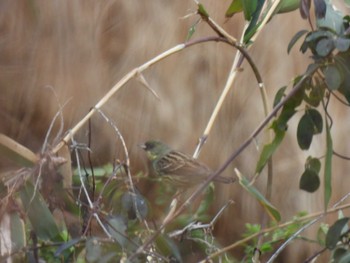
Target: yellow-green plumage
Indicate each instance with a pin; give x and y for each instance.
(179, 169)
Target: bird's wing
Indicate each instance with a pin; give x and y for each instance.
(177, 163)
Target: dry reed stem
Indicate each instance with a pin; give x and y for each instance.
(133, 73)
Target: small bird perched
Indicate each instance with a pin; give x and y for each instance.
(181, 170)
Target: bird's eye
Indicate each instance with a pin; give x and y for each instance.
(149, 146)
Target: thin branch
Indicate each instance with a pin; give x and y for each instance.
(130, 186)
(133, 73)
(223, 167)
(268, 230)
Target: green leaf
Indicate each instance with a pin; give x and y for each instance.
(117, 228)
(235, 7)
(324, 47)
(339, 253)
(167, 247)
(315, 35)
(342, 44)
(316, 93)
(345, 258)
(249, 7)
(343, 63)
(295, 38)
(67, 245)
(93, 250)
(279, 95)
(129, 200)
(269, 149)
(39, 214)
(313, 164)
(310, 124)
(309, 181)
(191, 31)
(333, 19)
(328, 167)
(286, 6)
(18, 233)
(269, 208)
(333, 77)
(254, 19)
(321, 234)
(202, 11)
(334, 233)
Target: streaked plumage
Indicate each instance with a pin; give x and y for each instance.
(181, 170)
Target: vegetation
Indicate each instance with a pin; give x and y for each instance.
(56, 213)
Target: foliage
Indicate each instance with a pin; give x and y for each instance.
(98, 215)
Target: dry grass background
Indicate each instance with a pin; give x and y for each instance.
(81, 48)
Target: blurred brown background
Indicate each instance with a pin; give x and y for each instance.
(80, 49)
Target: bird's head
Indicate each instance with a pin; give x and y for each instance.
(155, 149)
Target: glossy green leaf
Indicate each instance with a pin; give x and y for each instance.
(309, 181)
(313, 164)
(316, 35)
(249, 7)
(254, 19)
(333, 19)
(286, 6)
(311, 123)
(39, 214)
(328, 167)
(295, 38)
(269, 208)
(235, 7)
(335, 231)
(333, 77)
(324, 47)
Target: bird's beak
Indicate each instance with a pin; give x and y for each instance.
(143, 146)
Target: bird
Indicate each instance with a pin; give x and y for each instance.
(177, 168)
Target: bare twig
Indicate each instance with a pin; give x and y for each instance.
(268, 230)
(223, 167)
(131, 186)
(133, 73)
(335, 207)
